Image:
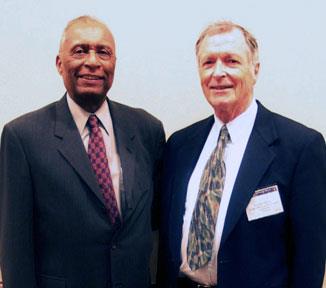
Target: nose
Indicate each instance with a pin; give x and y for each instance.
(219, 69)
(92, 59)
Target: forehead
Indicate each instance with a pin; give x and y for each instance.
(88, 33)
(232, 42)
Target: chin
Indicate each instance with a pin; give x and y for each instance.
(221, 100)
(90, 101)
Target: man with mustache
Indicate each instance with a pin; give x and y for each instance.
(78, 178)
(243, 200)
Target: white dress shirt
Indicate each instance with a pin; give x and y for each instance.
(239, 129)
(80, 117)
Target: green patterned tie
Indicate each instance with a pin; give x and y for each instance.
(204, 217)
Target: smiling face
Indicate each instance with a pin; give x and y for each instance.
(227, 72)
(86, 62)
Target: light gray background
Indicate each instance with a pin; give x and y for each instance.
(156, 66)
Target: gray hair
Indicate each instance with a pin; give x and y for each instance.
(221, 27)
(85, 19)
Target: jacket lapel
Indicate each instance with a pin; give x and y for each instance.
(72, 148)
(186, 158)
(257, 158)
(124, 137)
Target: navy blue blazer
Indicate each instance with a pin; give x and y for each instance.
(283, 250)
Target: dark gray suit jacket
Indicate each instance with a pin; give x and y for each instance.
(54, 230)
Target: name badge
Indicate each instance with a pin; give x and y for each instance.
(265, 202)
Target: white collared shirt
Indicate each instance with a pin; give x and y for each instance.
(239, 129)
(80, 117)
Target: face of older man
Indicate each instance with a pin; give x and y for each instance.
(227, 73)
(86, 62)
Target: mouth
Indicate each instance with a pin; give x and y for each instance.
(221, 87)
(90, 77)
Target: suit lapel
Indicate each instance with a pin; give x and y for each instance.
(257, 158)
(186, 158)
(124, 137)
(72, 148)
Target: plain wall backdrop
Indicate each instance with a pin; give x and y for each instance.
(156, 65)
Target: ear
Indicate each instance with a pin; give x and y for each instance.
(256, 70)
(257, 66)
(58, 63)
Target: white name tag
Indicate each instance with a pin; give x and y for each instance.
(265, 202)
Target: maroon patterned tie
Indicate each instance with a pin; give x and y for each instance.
(100, 165)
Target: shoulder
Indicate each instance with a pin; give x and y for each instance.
(291, 133)
(199, 128)
(137, 116)
(33, 120)
(28, 129)
(137, 121)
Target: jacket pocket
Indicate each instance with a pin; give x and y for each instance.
(46, 281)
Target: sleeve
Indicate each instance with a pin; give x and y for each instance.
(165, 277)
(160, 142)
(16, 214)
(308, 216)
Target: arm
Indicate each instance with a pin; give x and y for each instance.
(308, 216)
(16, 214)
(163, 279)
(160, 142)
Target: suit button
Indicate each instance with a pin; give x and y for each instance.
(223, 261)
(113, 247)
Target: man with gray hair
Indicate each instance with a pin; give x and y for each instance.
(243, 200)
(77, 178)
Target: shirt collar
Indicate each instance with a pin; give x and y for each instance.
(80, 115)
(241, 126)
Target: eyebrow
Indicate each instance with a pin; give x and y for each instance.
(87, 46)
(222, 54)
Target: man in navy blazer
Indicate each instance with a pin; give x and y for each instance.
(271, 226)
(55, 230)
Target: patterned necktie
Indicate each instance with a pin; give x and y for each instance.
(100, 165)
(203, 222)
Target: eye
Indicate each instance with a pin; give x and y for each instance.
(207, 63)
(104, 53)
(232, 61)
(79, 52)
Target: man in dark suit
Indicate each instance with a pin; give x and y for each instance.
(243, 203)
(78, 178)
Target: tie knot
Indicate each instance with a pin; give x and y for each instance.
(224, 134)
(92, 121)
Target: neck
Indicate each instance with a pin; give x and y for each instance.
(226, 113)
(90, 103)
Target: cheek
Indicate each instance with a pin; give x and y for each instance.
(73, 66)
(109, 66)
(68, 75)
(111, 69)
(242, 79)
(204, 78)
